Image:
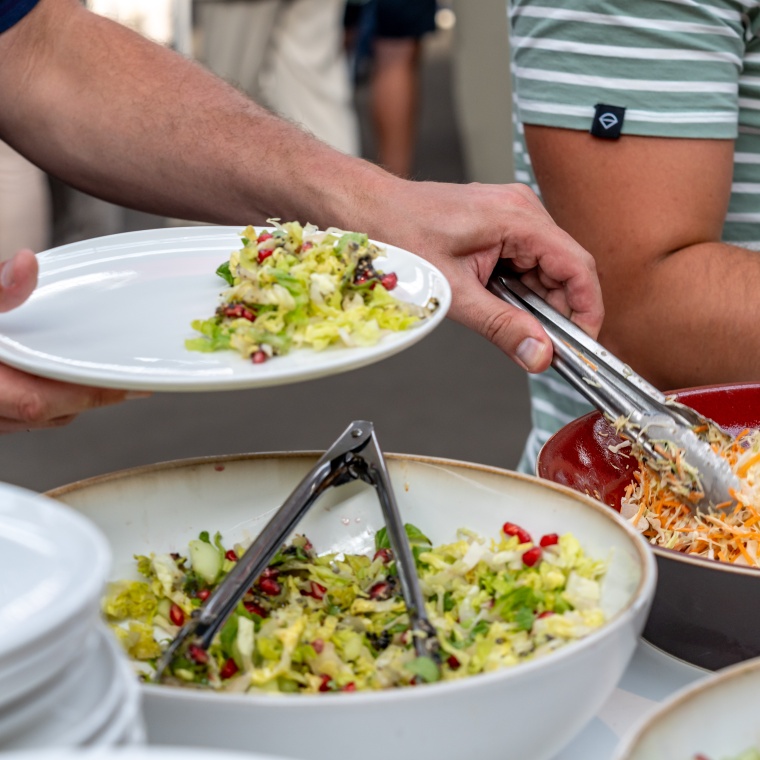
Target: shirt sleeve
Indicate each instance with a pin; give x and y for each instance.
(12, 11)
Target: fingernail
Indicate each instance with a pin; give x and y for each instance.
(137, 394)
(529, 352)
(6, 275)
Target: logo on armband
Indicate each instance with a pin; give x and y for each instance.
(608, 121)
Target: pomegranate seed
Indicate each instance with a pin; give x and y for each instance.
(176, 615)
(545, 614)
(360, 279)
(198, 654)
(264, 255)
(453, 663)
(318, 645)
(255, 609)
(231, 555)
(264, 236)
(269, 586)
(510, 529)
(531, 556)
(259, 357)
(389, 281)
(349, 687)
(204, 594)
(238, 311)
(550, 539)
(308, 546)
(384, 554)
(306, 247)
(318, 591)
(228, 669)
(325, 685)
(381, 590)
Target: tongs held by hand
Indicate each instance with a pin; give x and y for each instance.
(644, 414)
(356, 455)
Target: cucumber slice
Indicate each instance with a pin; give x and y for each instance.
(206, 560)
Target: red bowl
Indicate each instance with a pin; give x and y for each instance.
(705, 612)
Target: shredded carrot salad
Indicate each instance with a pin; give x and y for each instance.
(656, 503)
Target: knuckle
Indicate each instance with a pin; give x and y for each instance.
(32, 408)
(497, 324)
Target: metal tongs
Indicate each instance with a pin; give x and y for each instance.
(645, 415)
(356, 455)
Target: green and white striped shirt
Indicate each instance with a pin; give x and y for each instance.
(680, 68)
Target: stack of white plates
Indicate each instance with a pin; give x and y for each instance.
(63, 680)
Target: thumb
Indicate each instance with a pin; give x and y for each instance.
(515, 332)
(18, 278)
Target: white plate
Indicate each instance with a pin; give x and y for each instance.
(136, 753)
(115, 312)
(98, 690)
(127, 720)
(34, 708)
(53, 565)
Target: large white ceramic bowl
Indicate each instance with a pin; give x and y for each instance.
(716, 718)
(529, 711)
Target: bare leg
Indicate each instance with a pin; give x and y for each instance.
(395, 95)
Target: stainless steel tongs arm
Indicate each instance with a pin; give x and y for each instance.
(354, 455)
(610, 385)
(376, 474)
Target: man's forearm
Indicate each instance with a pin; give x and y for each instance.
(197, 148)
(690, 318)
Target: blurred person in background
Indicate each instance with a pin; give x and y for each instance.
(24, 204)
(288, 56)
(117, 115)
(640, 125)
(390, 34)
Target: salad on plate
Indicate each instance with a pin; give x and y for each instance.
(294, 286)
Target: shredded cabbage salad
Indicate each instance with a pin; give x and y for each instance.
(337, 622)
(657, 503)
(750, 754)
(297, 286)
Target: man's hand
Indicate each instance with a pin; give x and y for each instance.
(27, 401)
(144, 152)
(18, 278)
(465, 230)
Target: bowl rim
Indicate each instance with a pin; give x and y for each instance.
(641, 597)
(681, 697)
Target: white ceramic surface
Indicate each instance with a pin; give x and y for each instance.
(99, 692)
(717, 717)
(35, 669)
(26, 714)
(160, 508)
(115, 312)
(651, 678)
(135, 753)
(53, 565)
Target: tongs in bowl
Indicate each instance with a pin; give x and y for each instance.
(660, 426)
(356, 455)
